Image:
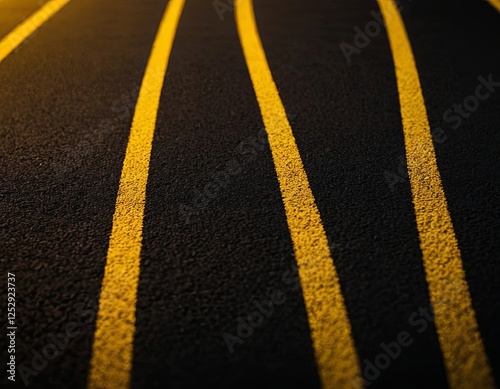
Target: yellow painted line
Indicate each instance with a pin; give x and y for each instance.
(9, 43)
(463, 350)
(335, 353)
(496, 4)
(112, 351)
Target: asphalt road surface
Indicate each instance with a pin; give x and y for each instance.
(165, 166)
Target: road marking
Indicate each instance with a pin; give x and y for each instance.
(336, 357)
(463, 350)
(10, 42)
(496, 4)
(112, 352)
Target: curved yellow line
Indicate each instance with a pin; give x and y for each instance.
(336, 357)
(496, 4)
(10, 42)
(463, 350)
(112, 351)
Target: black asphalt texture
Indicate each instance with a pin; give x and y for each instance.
(67, 99)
